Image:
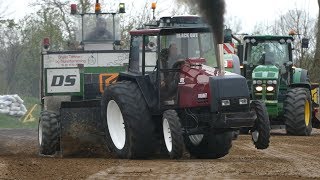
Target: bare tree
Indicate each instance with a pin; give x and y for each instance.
(10, 51)
(317, 49)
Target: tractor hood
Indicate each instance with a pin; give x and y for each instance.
(198, 81)
(265, 72)
(195, 71)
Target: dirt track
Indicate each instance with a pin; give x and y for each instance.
(287, 158)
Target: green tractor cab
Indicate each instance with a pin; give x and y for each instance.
(273, 78)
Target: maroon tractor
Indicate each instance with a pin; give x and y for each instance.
(174, 91)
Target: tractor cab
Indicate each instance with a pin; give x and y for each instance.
(272, 54)
(173, 57)
(99, 31)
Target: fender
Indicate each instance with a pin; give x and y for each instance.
(300, 78)
(144, 82)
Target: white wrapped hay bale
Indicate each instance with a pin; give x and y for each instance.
(12, 105)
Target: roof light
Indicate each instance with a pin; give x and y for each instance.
(153, 5)
(292, 32)
(73, 9)
(97, 8)
(46, 43)
(122, 8)
(282, 41)
(253, 41)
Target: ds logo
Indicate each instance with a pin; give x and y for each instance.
(61, 80)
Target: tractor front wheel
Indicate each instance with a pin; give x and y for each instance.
(172, 133)
(48, 133)
(209, 145)
(260, 132)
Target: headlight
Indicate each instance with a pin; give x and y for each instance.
(270, 88)
(254, 82)
(259, 88)
(225, 102)
(259, 82)
(274, 81)
(269, 82)
(253, 41)
(243, 101)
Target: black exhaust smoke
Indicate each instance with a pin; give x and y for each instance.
(212, 11)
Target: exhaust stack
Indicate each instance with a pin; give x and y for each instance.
(220, 60)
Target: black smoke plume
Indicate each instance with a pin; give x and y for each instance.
(212, 11)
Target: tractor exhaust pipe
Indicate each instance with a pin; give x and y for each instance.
(220, 60)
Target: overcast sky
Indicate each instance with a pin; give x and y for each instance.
(250, 12)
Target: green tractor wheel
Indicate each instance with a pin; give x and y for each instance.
(297, 112)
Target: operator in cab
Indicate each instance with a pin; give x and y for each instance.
(268, 57)
(100, 32)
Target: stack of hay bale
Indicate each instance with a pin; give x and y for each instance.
(12, 105)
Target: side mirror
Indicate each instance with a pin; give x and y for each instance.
(227, 36)
(305, 43)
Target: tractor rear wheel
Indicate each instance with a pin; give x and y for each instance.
(209, 145)
(130, 133)
(261, 130)
(297, 112)
(48, 133)
(172, 133)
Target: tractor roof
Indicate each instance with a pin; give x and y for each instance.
(168, 31)
(268, 37)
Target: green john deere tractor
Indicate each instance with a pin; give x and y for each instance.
(273, 78)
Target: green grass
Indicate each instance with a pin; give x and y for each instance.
(16, 122)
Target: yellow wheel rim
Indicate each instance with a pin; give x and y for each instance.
(307, 113)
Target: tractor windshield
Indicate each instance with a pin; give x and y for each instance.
(267, 53)
(180, 46)
(101, 27)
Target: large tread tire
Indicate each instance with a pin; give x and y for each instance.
(173, 134)
(297, 118)
(261, 130)
(212, 146)
(138, 126)
(48, 133)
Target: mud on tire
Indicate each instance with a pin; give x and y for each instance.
(48, 133)
(127, 105)
(297, 112)
(261, 130)
(211, 146)
(173, 134)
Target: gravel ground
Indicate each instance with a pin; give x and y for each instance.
(288, 157)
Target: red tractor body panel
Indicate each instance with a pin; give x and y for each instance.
(194, 90)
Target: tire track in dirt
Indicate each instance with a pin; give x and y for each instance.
(298, 151)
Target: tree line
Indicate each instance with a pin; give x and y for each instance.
(20, 41)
